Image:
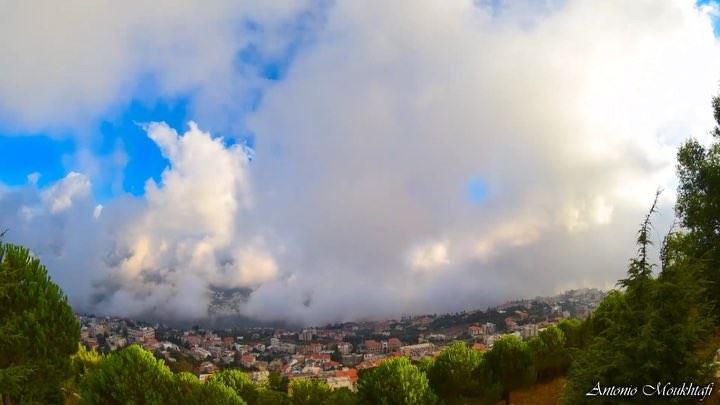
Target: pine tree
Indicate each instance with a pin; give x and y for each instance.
(38, 331)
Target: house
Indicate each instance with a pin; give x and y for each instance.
(418, 351)
(247, 360)
(475, 330)
(373, 346)
(207, 367)
(394, 344)
(529, 330)
(198, 353)
(340, 382)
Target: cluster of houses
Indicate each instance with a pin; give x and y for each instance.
(334, 354)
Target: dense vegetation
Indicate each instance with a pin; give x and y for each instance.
(655, 327)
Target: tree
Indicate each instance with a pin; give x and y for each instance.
(652, 329)
(278, 382)
(38, 331)
(395, 382)
(239, 382)
(451, 374)
(341, 396)
(307, 391)
(550, 355)
(272, 397)
(81, 363)
(130, 376)
(194, 392)
(698, 207)
(510, 363)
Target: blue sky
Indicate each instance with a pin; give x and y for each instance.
(53, 157)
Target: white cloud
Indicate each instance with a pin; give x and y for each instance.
(65, 65)
(569, 113)
(429, 256)
(61, 195)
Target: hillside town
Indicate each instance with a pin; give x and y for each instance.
(335, 353)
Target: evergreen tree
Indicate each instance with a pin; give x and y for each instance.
(239, 382)
(192, 391)
(650, 330)
(550, 355)
(38, 331)
(698, 208)
(272, 397)
(451, 374)
(131, 376)
(341, 396)
(308, 391)
(395, 382)
(510, 364)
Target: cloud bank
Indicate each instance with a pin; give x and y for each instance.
(361, 195)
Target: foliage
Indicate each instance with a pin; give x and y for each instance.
(698, 208)
(194, 392)
(306, 391)
(272, 397)
(651, 329)
(451, 374)
(510, 363)
(130, 376)
(278, 382)
(550, 355)
(239, 382)
(38, 331)
(341, 396)
(395, 382)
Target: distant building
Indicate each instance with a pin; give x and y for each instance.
(529, 330)
(305, 336)
(344, 347)
(393, 344)
(139, 335)
(475, 330)
(418, 351)
(373, 346)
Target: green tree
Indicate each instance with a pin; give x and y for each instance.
(341, 396)
(510, 363)
(307, 391)
(278, 382)
(651, 329)
(192, 391)
(272, 397)
(239, 382)
(549, 353)
(698, 207)
(451, 374)
(130, 376)
(81, 362)
(38, 331)
(395, 382)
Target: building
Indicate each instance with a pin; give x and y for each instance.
(393, 344)
(247, 360)
(373, 347)
(475, 330)
(198, 353)
(340, 382)
(529, 330)
(418, 351)
(139, 335)
(344, 347)
(305, 336)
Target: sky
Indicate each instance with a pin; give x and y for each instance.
(320, 161)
